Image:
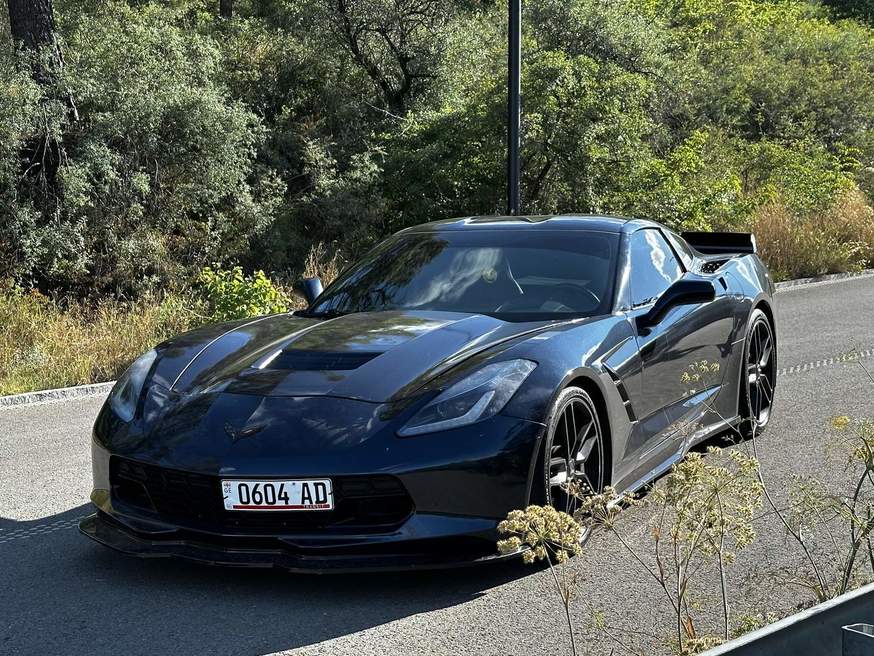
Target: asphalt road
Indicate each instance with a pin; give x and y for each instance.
(62, 594)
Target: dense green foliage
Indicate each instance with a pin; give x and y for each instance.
(229, 294)
(247, 140)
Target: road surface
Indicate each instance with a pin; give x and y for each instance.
(63, 594)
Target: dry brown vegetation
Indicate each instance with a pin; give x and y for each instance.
(839, 240)
(46, 343)
(322, 263)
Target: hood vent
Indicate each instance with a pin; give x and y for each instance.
(300, 360)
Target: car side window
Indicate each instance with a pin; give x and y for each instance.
(682, 249)
(654, 267)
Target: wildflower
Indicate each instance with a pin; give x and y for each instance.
(545, 531)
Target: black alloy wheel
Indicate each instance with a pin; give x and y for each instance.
(760, 374)
(574, 450)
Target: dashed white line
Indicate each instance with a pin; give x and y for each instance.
(851, 356)
(38, 529)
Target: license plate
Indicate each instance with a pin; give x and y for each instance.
(314, 494)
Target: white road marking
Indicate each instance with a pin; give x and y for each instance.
(38, 529)
(806, 283)
(850, 356)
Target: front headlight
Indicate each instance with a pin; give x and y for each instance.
(126, 393)
(481, 395)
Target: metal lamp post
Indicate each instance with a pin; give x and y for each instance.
(514, 105)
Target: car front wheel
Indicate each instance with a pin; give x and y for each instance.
(573, 450)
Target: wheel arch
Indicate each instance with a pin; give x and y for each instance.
(588, 382)
(594, 391)
(764, 305)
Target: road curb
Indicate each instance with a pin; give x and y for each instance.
(60, 394)
(822, 280)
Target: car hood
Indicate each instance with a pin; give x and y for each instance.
(371, 356)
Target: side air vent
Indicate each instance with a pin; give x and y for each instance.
(623, 394)
(711, 266)
(300, 360)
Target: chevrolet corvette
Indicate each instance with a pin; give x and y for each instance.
(460, 370)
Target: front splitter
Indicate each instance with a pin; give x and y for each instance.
(112, 534)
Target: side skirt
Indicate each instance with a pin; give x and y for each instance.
(696, 438)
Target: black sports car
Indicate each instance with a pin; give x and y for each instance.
(462, 369)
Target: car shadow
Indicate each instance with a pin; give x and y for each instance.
(66, 594)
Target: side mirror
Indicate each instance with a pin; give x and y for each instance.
(682, 292)
(311, 288)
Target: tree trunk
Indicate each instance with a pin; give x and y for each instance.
(32, 24)
(226, 8)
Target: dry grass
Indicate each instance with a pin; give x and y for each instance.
(43, 346)
(319, 263)
(852, 219)
(839, 240)
(46, 344)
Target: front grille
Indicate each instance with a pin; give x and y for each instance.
(375, 503)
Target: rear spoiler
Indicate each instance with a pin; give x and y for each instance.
(721, 243)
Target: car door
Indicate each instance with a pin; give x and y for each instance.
(669, 404)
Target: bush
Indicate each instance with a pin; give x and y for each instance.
(319, 264)
(48, 342)
(851, 219)
(157, 176)
(231, 295)
(247, 141)
(797, 246)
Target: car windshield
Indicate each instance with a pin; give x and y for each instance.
(514, 275)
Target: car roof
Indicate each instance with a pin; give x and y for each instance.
(587, 222)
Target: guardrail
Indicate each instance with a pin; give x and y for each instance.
(839, 627)
(858, 640)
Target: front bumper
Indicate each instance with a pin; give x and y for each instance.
(459, 485)
(298, 555)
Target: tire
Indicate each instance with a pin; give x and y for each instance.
(758, 376)
(572, 413)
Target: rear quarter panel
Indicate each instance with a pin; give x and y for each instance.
(752, 286)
